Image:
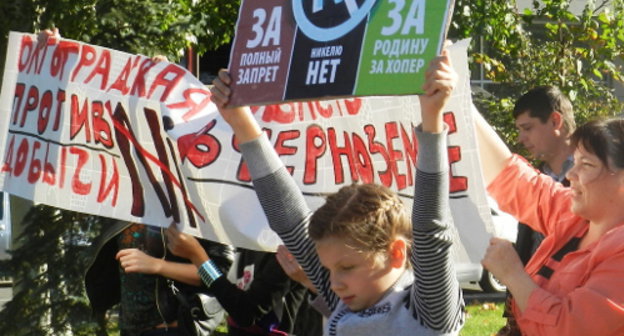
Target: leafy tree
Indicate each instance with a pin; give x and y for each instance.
(48, 268)
(149, 27)
(546, 44)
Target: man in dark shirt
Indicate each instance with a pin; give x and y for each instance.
(545, 120)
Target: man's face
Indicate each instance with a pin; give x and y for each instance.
(537, 137)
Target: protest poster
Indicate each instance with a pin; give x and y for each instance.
(300, 50)
(94, 130)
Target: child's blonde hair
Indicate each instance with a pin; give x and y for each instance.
(370, 216)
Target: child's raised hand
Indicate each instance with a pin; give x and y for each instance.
(241, 120)
(221, 89)
(440, 80)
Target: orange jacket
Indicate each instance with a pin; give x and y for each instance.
(581, 292)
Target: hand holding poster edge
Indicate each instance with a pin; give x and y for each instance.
(272, 60)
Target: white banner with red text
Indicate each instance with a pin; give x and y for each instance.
(94, 130)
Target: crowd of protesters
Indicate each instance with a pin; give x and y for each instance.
(372, 268)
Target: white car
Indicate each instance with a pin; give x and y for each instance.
(5, 233)
(5, 226)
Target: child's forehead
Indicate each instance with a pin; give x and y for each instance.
(334, 242)
(339, 241)
(334, 249)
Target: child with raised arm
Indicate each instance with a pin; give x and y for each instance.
(379, 272)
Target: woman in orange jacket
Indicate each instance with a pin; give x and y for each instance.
(574, 283)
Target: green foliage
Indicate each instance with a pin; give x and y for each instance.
(581, 53)
(48, 266)
(148, 27)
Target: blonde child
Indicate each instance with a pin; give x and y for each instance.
(379, 272)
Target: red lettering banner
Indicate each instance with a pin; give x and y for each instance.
(99, 131)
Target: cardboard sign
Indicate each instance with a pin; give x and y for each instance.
(298, 50)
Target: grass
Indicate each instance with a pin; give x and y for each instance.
(483, 319)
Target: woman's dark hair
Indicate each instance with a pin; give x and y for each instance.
(369, 215)
(603, 138)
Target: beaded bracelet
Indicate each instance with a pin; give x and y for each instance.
(209, 272)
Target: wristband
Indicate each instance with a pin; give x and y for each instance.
(209, 272)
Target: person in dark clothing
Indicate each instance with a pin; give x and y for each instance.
(130, 266)
(262, 299)
(544, 118)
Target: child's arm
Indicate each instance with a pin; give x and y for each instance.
(436, 296)
(245, 306)
(280, 197)
(440, 79)
(133, 260)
